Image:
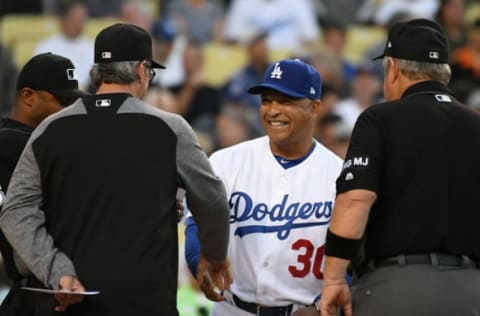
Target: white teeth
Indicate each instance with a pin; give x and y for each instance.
(277, 123)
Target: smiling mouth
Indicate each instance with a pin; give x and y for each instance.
(277, 123)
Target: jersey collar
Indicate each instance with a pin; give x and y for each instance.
(426, 86)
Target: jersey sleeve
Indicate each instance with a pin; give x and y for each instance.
(192, 246)
(363, 163)
(23, 223)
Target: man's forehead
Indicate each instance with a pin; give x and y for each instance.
(271, 93)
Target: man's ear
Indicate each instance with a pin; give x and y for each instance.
(393, 72)
(29, 96)
(317, 107)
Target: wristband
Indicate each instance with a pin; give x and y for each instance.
(341, 247)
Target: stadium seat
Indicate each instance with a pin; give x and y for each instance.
(21, 32)
(360, 38)
(221, 61)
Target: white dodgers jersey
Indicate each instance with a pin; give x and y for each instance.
(278, 221)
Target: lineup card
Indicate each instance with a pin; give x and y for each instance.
(49, 291)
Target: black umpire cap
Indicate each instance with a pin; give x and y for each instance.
(53, 73)
(124, 42)
(419, 40)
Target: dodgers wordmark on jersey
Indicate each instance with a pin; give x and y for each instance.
(279, 219)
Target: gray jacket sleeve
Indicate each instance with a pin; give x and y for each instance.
(23, 223)
(206, 196)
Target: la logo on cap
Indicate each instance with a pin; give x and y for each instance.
(276, 72)
(71, 74)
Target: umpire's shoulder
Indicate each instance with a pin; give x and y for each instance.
(175, 122)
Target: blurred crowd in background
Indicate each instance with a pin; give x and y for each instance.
(214, 50)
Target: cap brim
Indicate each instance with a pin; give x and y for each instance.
(157, 65)
(259, 88)
(379, 57)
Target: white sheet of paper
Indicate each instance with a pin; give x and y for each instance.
(49, 291)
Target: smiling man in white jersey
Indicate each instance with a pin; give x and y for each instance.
(281, 189)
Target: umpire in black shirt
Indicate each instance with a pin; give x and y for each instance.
(409, 192)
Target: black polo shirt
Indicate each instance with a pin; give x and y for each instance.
(13, 138)
(420, 154)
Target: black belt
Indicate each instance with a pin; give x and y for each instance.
(262, 310)
(435, 259)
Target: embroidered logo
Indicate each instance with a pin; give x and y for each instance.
(276, 72)
(434, 55)
(72, 74)
(106, 55)
(349, 176)
(103, 102)
(443, 98)
(312, 90)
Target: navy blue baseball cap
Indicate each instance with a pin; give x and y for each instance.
(292, 77)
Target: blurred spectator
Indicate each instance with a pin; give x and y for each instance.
(232, 125)
(473, 100)
(343, 11)
(330, 68)
(137, 13)
(325, 129)
(200, 20)
(161, 98)
(333, 133)
(366, 89)
(168, 47)
(235, 90)
(8, 79)
(465, 64)
(20, 7)
(330, 97)
(420, 8)
(104, 8)
(70, 43)
(196, 101)
(334, 37)
(451, 15)
(290, 25)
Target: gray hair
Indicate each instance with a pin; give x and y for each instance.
(415, 70)
(122, 72)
